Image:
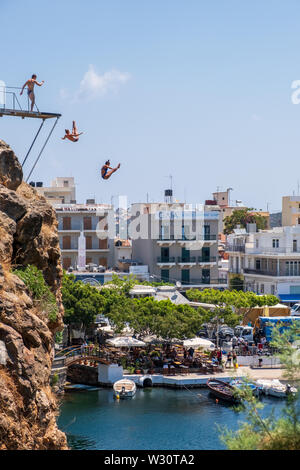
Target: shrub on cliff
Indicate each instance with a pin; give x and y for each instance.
(39, 290)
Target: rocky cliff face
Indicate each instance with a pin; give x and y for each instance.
(28, 235)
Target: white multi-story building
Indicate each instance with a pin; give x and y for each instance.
(177, 242)
(268, 260)
(85, 220)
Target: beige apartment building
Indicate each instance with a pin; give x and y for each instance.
(226, 208)
(61, 191)
(290, 210)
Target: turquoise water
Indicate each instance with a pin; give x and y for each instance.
(155, 419)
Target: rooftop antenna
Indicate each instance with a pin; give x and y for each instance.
(228, 192)
(169, 192)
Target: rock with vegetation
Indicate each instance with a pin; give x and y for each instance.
(31, 312)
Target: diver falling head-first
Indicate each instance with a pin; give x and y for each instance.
(72, 136)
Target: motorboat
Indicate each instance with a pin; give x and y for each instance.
(275, 388)
(222, 390)
(124, 388)
(239, 384)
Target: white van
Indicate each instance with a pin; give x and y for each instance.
(245, 332)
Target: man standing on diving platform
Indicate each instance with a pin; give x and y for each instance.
(30, 89)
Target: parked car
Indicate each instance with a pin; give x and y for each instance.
(245, 332)
(225, 333)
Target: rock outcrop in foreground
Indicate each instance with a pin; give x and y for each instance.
(28, 235)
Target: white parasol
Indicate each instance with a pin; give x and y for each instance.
(199, 343)
(125, 341)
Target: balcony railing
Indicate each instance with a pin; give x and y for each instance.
(261, 272)
(205, 237)
(207, 259)
(204, 281)
(170, 259)
(239, 248)
(189, 259)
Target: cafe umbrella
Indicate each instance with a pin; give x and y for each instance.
(125, 342)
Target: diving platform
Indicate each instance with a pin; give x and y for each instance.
(11, 104)
(28, 114)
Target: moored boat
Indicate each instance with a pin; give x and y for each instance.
(239, 384)
(222, 390)
(124, 388)
(275, 388)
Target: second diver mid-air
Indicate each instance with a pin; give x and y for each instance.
(104, 170)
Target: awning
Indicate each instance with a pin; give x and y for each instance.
(289, 297)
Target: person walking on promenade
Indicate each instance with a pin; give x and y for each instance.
(229, 359)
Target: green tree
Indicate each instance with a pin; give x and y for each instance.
(243, 217)
(238, 301)
(82, 302)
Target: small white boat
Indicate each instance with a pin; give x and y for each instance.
(124, 388)
(275, 388)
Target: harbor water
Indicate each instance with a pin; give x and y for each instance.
(154, 419)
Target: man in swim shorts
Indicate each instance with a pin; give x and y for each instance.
(72, 136)
(30, 89)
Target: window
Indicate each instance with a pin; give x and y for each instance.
(295, 245)
(272, 289)
(66, 183)
(66, 223)
(66, 262)
(103, 244)
(165, 275)
(88, 241)
(257, 264)
(275, 243)
(66, 242)
(294, 289)
(87, 223)
(256, 243)
(103, 262)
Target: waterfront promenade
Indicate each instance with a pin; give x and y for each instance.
(199, 380)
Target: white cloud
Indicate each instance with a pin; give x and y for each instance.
(94, 85)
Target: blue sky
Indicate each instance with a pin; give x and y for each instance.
(197, 89)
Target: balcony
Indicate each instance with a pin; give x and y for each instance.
(204, 282)
(260, 272)
(170, 261)
(207, 259)
(187, 261)
(236, 248)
